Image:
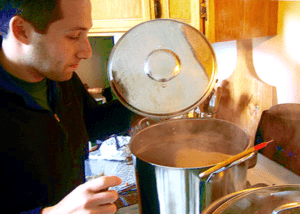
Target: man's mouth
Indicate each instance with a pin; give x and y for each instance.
(74, 66)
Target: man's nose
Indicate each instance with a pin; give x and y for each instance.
(85, 50)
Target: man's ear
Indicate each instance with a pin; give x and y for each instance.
(21, 29)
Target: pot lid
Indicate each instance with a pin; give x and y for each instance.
(162, 68)
(272, 199)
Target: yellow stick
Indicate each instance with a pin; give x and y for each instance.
(233, 158)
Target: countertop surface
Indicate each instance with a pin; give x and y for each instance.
(269, 172)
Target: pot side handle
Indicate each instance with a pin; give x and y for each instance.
(286, 207)
(235, 163)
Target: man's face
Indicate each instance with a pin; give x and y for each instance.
(57, 53)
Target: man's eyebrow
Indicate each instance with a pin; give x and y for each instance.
(80, 28)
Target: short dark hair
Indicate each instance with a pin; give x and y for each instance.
(40, 13)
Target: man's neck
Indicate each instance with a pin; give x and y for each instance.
(12, 65)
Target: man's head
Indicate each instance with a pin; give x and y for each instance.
(49, 44)
(40, 13)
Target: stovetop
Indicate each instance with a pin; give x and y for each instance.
(266, 173)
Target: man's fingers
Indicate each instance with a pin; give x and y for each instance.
(108, 209)
(103, 183)
(102, 198)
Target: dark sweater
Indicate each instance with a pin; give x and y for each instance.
(43, 152)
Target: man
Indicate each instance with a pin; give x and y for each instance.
(47, 116)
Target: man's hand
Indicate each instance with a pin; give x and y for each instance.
(92, 197)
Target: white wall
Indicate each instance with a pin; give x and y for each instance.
(276, 59)
(93, 71)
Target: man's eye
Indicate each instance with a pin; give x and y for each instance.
(73, 37)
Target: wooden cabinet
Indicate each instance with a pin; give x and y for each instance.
(240, 19)
(118, 16)
(188, 11)
(219, 20)
(224, 20)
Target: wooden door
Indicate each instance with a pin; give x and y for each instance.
(115, 16)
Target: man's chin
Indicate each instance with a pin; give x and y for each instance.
(62, 78)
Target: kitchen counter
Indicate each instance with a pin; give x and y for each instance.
(269, 172)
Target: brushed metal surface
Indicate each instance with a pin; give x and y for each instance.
(162, 67)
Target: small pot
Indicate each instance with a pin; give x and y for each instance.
(167, 187)
(273, 199)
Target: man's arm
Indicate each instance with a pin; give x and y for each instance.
(108, 119)
(35, 211)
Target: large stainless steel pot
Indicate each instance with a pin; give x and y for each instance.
(281, 199)
(168, 189)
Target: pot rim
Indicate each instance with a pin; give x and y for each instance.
(160, 123)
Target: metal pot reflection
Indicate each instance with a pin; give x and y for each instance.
(170, 189)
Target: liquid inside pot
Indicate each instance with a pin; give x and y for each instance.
(180, 155)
